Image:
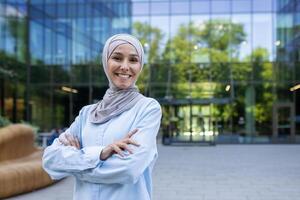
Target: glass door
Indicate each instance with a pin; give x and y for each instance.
(283, 122)
(190, 123)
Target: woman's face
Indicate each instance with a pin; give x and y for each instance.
(123, 66)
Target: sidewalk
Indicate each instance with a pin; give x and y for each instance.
(222, 172)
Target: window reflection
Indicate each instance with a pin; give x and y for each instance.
(241, 6)
(220, 6)
(162, 8)
(199, 7)
(244, 49)
(262, 6)
(140, 8)
(262, 28)
(180, 7)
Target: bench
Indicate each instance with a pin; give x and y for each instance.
(20, 162)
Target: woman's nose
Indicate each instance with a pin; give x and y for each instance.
(125, 65)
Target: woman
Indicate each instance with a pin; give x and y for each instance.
(110, 148)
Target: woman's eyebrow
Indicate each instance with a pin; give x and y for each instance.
(133, 54)
(117, 53)
(121, 54)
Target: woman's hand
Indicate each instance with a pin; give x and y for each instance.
(119, 146)
(69, 140)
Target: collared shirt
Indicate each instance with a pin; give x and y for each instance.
(117, 178)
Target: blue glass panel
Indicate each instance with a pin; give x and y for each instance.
(38, 1)
(36, 42)
(50, 10)
(22, 8)
(244, 49)
(62, 10)
(2, 9)
(199, 7)
(180, 7)
(262, 34)
(262, 6)
(220, 6)
(2, 33)
(140, 8)
(239, 6)
(160, 8)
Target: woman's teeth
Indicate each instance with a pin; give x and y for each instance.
(123, 75)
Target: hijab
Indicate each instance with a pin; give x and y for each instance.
(116, 100)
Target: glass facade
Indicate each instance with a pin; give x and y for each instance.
(223, 70)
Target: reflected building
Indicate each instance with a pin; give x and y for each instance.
(226, 70)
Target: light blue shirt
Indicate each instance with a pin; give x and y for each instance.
(117, 178)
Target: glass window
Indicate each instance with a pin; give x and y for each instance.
(241, 72)
(200, 50)
(98, 75)
(96, 29)
(180, 36)
(61, 74)
(297, 74)
(160, 8)
(262, 34)
(262, 6)
(219, 6)
(284, 72)
(263, 105)
(2, 33)
(40, 74)
(60, 107)
(22, 8)
(41, 114)
(244, 48)
(80, 74)
(48, 46)
(239, 6)
(199, 7)
(140, 8)
(283, 92)
(220, 72)
(62, 10)
(143, 31)
(180, 7)
(178, 22)
(11, 36)
(2, 9)
(162, 23)
(220, 38)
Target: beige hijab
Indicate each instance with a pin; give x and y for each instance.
(116, 100)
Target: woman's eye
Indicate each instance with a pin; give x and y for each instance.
(133, 60)
(116, 58)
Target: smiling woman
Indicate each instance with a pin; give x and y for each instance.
(110, 148)
(124, 66)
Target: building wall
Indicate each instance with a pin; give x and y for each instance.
(236, 59)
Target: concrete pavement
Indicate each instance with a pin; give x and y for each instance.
(222, 172)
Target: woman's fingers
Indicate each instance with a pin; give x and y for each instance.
(69, 140)
(124, 147)
(117, 149)
(131, 141)
(131, 133)
(77, 143)
(62, 139)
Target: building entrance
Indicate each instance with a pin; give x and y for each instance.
(186, 121)
(283, 122)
